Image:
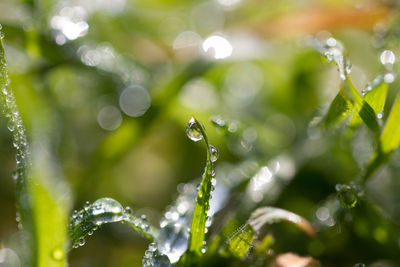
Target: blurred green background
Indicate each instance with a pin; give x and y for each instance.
(114, 83)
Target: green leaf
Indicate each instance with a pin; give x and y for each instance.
(198, 227)
(241, 241)
(103, 211)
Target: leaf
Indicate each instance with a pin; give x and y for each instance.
(241, 241)
(198, 227)
(102, 211)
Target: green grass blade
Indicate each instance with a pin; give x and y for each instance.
(198, 227)
(242, 240)
(103, 211)
(389, 140)
(50, 201)
(375, 97)
(362, 108)
(42, 201)
(390, 137)
(339, 109)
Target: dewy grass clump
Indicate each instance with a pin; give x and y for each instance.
(307, 159)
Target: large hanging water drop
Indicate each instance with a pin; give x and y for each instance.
(193, 130)
(347, 195)
(213, 153)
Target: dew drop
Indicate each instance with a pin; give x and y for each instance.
(57, 254)
(106, 210)
(389, 77)
(359, 265)
(173, 241)
(128, 210)
(81, 242)
(387, 57)
(193, 131)
(11, 126)
(347, 195)
(213, 153)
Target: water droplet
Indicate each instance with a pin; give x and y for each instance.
(213, 153)
(208, 221)
(15, 175)
(81, 242)
(193, 131)
(347, 195)
(379, 115)
(173, 241)
(106, 210)
(57, 254)
(389, 77)
(359, 265)
(11, 126)
(128, 210)
(387, 57)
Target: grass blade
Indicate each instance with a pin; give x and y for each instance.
(198, 227)
(42, 200)
(362, 108)
(339, 109)
(389, 140)
(241, 241)
(375, 97)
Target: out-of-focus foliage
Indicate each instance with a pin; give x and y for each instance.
(106, 88)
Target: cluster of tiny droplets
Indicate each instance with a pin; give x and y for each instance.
(104, 210)
(153, 258)
(14, 123)
(332, 49)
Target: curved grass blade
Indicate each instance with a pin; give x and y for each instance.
(102, 211)
(241, 241)
(196, 132)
